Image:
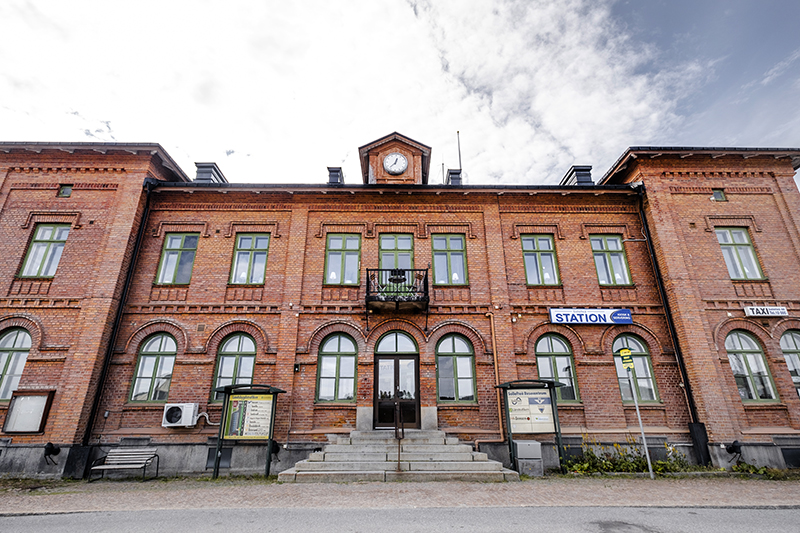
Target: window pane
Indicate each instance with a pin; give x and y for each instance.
(646, 391)
(387, 260)
(405, 344)
(331, 344)
(240, 268)
(440, 268)
(352, 243)
(603, 274)
(44, 233)
(231, 344)
(35, 259)
(326, 388)
(461, 346)
(447, 389)
(545, 367)
(190, 242)
(730, 261)
(246, 365)
(327, 366)
(457, 264)
(17, 363)
(351, 268)
(532, 269)
(456, 243)
(346, 388)
(446, 345)
(262, 243)
(335, 243)
(739, 236)
(185, 268)
(245, 242)
(174, 241)
(723, 237)
(226, 366)
(620, 271)
(387, 242)
(748, 262)
(153, 345)
(347, 367)
(259, 265)
(528, 243)
(440, 243)
(334, 274)
(346, 345)
(464, 367)
(168, 267)
(597, 244)
(404, 242)
(613, 243)
(549, 269)
(559, 345)
(141, 389)
(465, 391)
(247, 344)
(446, 367)
(387, 344)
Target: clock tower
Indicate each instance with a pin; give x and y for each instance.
(395, 160)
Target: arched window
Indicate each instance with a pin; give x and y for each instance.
(749, 369)
(455, 367)
(642, 370)
(790, 345)
(396, 342)
(554, 360)
(154, 370)
(336, 369)
(14, 347)
(235, 362)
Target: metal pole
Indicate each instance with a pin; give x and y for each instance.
(218, 452)
(557, 427)
(510, 436)
(641, 427)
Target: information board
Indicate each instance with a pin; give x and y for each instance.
(249, 416)
(530, 411)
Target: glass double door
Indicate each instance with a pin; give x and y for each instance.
(396, 391)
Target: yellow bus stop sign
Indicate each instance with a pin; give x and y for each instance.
(627, 360)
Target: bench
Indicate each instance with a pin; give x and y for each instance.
(125, 458)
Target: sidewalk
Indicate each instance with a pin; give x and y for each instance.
(171, 493)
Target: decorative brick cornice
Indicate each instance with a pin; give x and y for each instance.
(53, 217)
(237, 326)
(75, 186)
(153, 327)
(728, 190)
(464, 329)
(420, 230)
(589, 229)
(546, 229)
(182, 227)
(271, 227)
(340, 326)
(731, 220)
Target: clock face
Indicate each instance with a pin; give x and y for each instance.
(395, 163)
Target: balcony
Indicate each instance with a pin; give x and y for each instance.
(397, 289)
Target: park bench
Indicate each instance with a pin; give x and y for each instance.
(125, 458)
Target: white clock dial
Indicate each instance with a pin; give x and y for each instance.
(395, 163)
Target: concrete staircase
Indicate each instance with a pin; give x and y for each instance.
(372, 456)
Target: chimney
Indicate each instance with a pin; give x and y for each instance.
(209, 173)
(580, 175)
(453, 177)
(335, 176)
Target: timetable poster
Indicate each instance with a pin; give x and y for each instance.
(530, 411)
(249, 416)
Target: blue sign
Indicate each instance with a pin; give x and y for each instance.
(591, 316)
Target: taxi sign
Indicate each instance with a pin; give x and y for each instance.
(627, 360)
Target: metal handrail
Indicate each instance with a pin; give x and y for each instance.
(399, 430)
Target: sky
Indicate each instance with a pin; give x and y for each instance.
(276, 91)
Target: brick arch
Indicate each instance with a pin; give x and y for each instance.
(339, 326)
(572, 336)
(461, 328)
(751, 326)
(237, 326)
(157, 326)
(654, 346)
(782, 327)
(394, 324)
(29, 324)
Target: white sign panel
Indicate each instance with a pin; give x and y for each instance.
(530, 411)
(766, 311)
(590, 316)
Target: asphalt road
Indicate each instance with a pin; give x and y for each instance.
(461, 519)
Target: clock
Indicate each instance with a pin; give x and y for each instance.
(395, 163)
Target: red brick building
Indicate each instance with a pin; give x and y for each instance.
(126, 286)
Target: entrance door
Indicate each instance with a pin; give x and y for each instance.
(396, 385)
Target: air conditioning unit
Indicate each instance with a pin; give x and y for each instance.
(179, 415)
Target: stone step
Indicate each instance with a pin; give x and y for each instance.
(292, 475)
(374, 466)
(361, 457)
(392, 448)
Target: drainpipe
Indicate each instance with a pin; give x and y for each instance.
(697, 429)
(149, 184)
(502, 438)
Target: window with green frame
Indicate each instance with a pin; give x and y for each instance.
(177, 258)
(749, 368)
(609, 259)
(44, 252)
(336, 370)
(790, 346)
(250, 258)
(554, 360)
(455, 369)
(397, 251)
(342, 259)
(236, 361)
(642, 370)
(541, 266)
(449, 260)
(153, 375)
(14, 347)
(740, 257)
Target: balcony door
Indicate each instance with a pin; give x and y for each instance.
(396, 382)
(397, 252)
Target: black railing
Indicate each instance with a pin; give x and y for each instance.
(397, 285)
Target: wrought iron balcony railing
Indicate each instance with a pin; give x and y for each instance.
(397, 285)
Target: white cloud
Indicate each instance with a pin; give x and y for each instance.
(276, 91)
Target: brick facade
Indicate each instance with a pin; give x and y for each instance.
(70, 316)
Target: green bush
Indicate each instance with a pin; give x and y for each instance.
(596, 458)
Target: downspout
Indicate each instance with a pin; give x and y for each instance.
(502, 438)
(149, 184)
(697, 429)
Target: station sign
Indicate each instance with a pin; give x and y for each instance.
(590, 316)
(766, 311)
